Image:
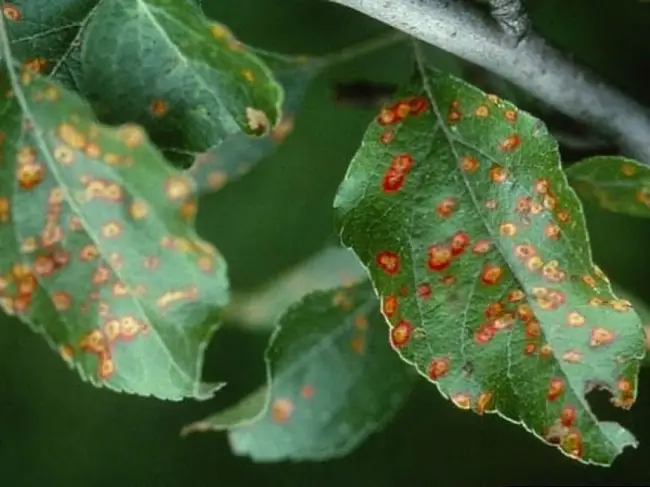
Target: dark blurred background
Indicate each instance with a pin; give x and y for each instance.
(57, 431)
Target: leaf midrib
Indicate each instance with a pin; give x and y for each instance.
(24, 105)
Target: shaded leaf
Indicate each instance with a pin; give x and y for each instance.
(331, 267)
(99, 253)
(615, 183)
(457, 204)
(163, 64)
(240, 152)
(334, 380)
(46, 35)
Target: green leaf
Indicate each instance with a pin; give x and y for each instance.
(240, 152)
(334, 380)
(615, 183)
(457, 205)
(163, 64)
(99, 253)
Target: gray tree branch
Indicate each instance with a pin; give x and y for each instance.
(531, 63)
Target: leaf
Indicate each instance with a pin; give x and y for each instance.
(99, 253)
(478, 250)
(615, 183)
(331, 267)
(163, 64)
(239, 153)
(334, 380)
(46, 35)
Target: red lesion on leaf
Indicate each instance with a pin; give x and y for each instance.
(483, 402)
(621, 305)
(170, 297)
(424, 290)
(453, 113)
(552, 231)
(462, 400)
(386, 137)
(358, 344)
(440, 257)
(35, 65)
(484, 334)
(601, 336)
(281, 410)
(494, 310)
(504, 322)
(482, 111)
(482, 247)
(396, 173)
(574, 319)
(459, 242)
(11, 12)
(516, 295)
(491, 204)
(571, 443)
(530, 348)
(388, 262)
(400, 334)
(525, 251)
(548, 299)
(552, 272)
(448, 280)
(112, 229)
(389, 306)
(438, 368)
(563, 216)
(468, 164)
(498, 174)
(307, 391)
(446, 207)
(508, 229)
(533, 328)
(510, 115)
(510, 143)
(491, 273)
(572, 356)
(568, 415)
(625, 398)
(556, 388)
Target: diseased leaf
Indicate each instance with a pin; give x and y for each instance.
(615, 183)
(477, 247)
(240, 152)
(46, 35)
(99, 253)
(329, 268)
(164, 65)
(334, 380)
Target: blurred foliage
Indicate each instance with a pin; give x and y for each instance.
(58, 431)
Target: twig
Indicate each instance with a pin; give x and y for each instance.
(511, 17)
(532, 64)
(365, 47)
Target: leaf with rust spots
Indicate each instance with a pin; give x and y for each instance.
(334, 380)
(187, 79)
(614, 183)
(99, 252)
(509, 313)
(239, 153)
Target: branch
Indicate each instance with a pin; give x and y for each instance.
(511, 17)
(532, 64)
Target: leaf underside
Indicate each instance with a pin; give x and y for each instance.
(334, 380)
(99, 252)
(457, 205)
(614, 183)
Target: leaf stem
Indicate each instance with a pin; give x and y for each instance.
(363, 48)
